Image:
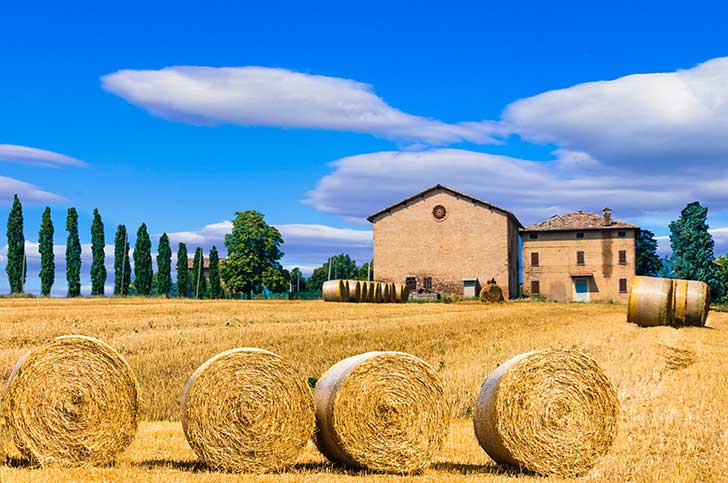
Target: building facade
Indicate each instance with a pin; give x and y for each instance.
(580, 256)
(446, 241)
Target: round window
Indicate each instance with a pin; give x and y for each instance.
(439, 212)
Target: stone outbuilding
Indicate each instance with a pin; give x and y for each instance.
(446, 241)
(579, 256)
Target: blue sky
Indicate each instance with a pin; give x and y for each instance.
(319, 115)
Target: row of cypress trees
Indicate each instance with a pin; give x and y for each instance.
(193, 284)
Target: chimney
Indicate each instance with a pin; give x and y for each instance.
(607, 216)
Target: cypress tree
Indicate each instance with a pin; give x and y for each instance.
(16, 248)
(647, 261)
(47, 258)
(143, 262)
(198, 280)
(183, 274)
(98, 268)
(164, 266)
(214, 274)
(73, 254)
(122, 265)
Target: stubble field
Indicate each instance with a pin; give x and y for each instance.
(672, 384)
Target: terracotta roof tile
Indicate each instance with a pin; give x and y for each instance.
(579, 220)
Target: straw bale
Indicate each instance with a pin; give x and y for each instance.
(73, 402)
(552, 412)
(335, 291)
(246, 410)
(381, 411)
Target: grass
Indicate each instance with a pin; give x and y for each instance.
(672, 384)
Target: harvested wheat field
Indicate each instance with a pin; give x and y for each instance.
(672, 384)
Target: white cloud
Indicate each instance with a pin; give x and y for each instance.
(668, 121)
(26, 155)
(26, 191)
(262, 96)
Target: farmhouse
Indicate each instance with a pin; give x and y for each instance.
(579, 256)
(446, 241)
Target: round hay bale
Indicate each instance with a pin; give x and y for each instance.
(353, 287)
(650, 301)
(552, 412)
(392, 292)
(382, 411)
(246, 410)
(491, 293)
(334, 291)
(377, 295)
(364, 291)
(691, 303)
(74, 402)
(401, 293)
(385, 292)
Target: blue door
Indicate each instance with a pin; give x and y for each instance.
(581, 290)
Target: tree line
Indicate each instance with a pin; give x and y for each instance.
(252, 265)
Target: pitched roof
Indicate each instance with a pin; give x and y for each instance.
(579, 220)
(447, 189)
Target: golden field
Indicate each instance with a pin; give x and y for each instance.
(672, 384)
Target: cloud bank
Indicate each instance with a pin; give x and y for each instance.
(13, 153)
(263, 96)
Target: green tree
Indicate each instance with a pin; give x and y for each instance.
(647, 261)
(692, 249)
(198, 280)
(298, 281)
(73, 254)
(122, 265)
(143, 262)
(276, 279)
(98, 255)
(183, 273)
(365, 272)
(253, 246)
(722, 262)
(47, 257)
(16, 248)
(164, 266)
(337, 267)
(214, 274)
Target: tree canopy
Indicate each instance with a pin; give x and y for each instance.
(16, 268)
(214, 274)
(183, 273)
(164, 266)
(122, 265)
(253, 249)
(339, 266)
(73, 254)
(143, 262)
(647, 261)
(47, 257)
(98, 256)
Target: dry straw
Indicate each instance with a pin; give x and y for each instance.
(381, 411)
(73, 402)
(246, 410)
(551, 412)
(662, 301)
(401, 293)
(353, 288)
(491, 293)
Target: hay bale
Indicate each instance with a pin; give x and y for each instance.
(377, 295)
(385, 292)
(353, 288)
(74, 402)
(335, 291)
(246, 410)
(651, 301)
(401, 293)
(691, 301)
(364, 291)
(393, 293)
(552, 412)
(382, 411)
(491, 293)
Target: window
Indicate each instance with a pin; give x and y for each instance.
(580, 258)
(411, 283)
(427, 282)
(622, 285)
(623, 257)
(622, 234)
(534, 259)
(439, 212)
(533, 236)
(580, 235)
(535, 287)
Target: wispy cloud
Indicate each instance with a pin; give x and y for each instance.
(262, 96)
(26, 191)
(13, 153)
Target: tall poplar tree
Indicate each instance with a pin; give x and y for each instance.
(647, 261)
(122, 265)
(197, 279)
(47, 257)
(73, 254)
(183, 272)
(143, 262)
(98, 256)
(164, 266)
(214, 274)
(692, 248)
(16, 248)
